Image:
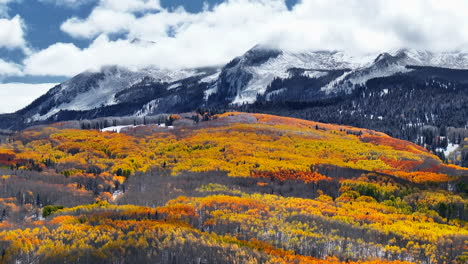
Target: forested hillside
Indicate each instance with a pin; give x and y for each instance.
(229, 188)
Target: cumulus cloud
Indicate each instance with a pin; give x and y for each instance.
(220, 32)
(12, 33)
(60, 59)
(130, 5)
(110, 16)
(17, 95)
(100, 20)
(9, 68)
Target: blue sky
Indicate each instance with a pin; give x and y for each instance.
(44, 42)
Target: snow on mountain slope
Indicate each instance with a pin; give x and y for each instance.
(91, 90)
(263, 65)
(114, 80)
(388, 64)
(211, 78)
(384, 65)
(170, 76)
(450, 60)
(314, 74)
(249, 75)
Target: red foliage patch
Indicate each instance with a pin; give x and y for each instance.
(404, 165)
(284, 175)
(7, 159)
(396, 144)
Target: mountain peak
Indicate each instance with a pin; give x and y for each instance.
(260, 54)
(417, 57)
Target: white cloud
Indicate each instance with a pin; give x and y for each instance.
(12, 33)
(18, 95)
(130, 5)
(9, 68)
(59, 59)
(217, 34)
(100, 20)
(68, 3)
(110, 16)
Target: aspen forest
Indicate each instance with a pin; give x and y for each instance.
(227, 188)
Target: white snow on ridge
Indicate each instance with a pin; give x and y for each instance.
(398, 62)
(103, 94)
(450, 60)
(278, 67)
(380, 72)
(170, 76)
(370, 71)
(363, 67)
(115, 80)
(211, 78)
(315, 74)
(38, 117)
(173, 86)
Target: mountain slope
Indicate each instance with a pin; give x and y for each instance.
(249, 75)
(92, 90)
(203, 147)
(234, 188)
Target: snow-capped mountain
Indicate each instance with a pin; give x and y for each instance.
(398, 61)
(248, 76)
(91, 90)
(263, 74)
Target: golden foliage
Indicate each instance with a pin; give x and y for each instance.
(272, 144)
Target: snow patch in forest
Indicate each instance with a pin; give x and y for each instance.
(450, 148)
(118, 129)
(116, 195)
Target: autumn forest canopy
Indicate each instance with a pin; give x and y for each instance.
(227, 188)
